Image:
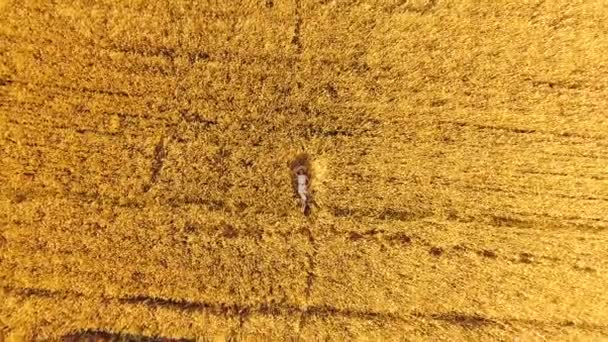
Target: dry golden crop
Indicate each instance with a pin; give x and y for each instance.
(458, 153)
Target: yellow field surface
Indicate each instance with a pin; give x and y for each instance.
(459, 156)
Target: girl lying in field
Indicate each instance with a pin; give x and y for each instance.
(300, 168)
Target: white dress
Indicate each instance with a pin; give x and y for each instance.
(303, 188)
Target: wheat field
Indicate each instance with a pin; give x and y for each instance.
(458, 153)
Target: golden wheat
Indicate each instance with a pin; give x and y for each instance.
(458, 159)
